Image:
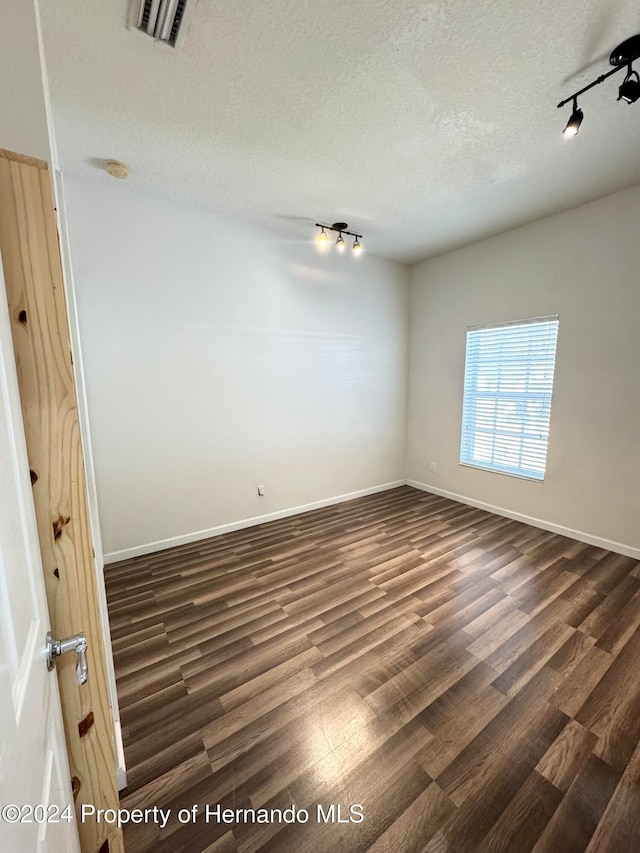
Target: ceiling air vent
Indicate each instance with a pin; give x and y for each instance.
(163, 20)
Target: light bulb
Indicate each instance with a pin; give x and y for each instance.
(323, 239)
(357, 248)
(340, 244)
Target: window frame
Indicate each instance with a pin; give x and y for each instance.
(485, 326)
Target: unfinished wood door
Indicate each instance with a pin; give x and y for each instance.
(36, 803)
(37, 309)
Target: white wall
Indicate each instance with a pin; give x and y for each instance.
(584, 265)
(23, 112)
(219, 357)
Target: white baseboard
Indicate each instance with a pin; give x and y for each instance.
(161, 545)
(580, 535)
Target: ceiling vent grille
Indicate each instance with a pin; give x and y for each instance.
(163, 20)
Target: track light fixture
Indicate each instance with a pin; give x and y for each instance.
(629, 91)
(621, 57)
(323, 239)
(340, 228)
(573, 125)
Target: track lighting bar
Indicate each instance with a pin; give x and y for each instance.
(597, 82)
(340, 228)
(621, 57)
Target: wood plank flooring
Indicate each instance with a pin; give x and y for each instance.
(472, 682)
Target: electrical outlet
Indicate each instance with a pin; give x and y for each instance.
(433, 467)
(261, 491)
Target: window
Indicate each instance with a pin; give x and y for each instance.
(508, 380)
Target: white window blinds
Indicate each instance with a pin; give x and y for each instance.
(508, 380)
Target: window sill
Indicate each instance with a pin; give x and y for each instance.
(504, 473)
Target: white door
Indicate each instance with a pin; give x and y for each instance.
(36, 805)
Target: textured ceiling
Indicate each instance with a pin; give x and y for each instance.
(425, 125)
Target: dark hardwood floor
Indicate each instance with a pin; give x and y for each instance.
(472, 682)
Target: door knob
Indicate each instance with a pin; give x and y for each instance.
(77, 644)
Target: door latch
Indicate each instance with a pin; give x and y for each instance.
(77, 644)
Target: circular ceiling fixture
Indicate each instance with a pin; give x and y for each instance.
(117, 169)
(625, 52)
